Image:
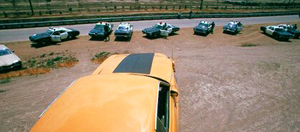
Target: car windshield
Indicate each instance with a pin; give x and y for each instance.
(157, 26)
(232, 25)
(4, 51)
(279, 30)
(49, 31)
(203, 24)
(99, 27)
(122, 28)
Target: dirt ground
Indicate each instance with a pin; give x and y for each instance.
(223, 86)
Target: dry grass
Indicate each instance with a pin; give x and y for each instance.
(34, 71)
(101, 56)
(249, 45)
(67, 64)
(42, 64)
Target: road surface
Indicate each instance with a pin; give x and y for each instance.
(12, 35)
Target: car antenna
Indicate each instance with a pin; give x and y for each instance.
(172, 54)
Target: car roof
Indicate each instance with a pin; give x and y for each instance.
(204, 22)
(101, 23)
(151, 64)
(109, 103)
(3, 46)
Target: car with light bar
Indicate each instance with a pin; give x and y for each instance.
(54, 34)
(233, 27)
(160, 29)
(124, 30)
(101, 30)
(204, 27)
(277, 32)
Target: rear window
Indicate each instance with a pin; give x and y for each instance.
(4, 52)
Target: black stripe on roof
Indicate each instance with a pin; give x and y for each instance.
(136, 63)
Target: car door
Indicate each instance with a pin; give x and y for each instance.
(110, 27)
(55, 37)
(167, 109)
(270, 30)
(174, 109)
(63, 34)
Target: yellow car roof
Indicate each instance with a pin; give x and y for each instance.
(152, 64)
(103, 103)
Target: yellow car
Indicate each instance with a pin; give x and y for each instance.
(126, 93)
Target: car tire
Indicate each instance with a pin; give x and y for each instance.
(19, 67)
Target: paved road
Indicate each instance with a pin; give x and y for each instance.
(11, 35)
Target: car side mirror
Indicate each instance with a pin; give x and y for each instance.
(13, 51)
(174, 93)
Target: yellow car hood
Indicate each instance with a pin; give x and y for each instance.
(103, 103)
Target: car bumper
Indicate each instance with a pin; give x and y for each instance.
(230, 30)
(123, 35)
(97, 35)
(12, 66)
(200, 31)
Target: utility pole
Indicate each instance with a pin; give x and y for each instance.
(32, 13)
(201, 5)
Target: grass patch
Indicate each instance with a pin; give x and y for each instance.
(2, 91)
(101, 56)
(249, 45)
(6, 80)
(43, 64)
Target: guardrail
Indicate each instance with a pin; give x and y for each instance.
(135, 18)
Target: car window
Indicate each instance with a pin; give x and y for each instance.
(157, 26)
(163, 109)
(55, 33)
(203, 24)
(4, 52)
(99, 27)
(62, 31)
(122, 28)
(49, 31)
(232, 25)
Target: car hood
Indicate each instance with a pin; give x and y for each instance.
(103, 103)
(7, 60)
(295, 31)
(201, 27)
(39, 36)
(151, 30)
(98, 31)
(227, 26)
(122, 31)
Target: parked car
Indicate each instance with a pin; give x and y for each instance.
(291, 29)
(54, 34)
(8, 59)
(124, 30)
(233, 27)
(126, 93)
(160, 29)
(277, 32)
(204, 27)
(99, 32)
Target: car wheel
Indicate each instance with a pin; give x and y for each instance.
(19, 67)
(70, 36)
